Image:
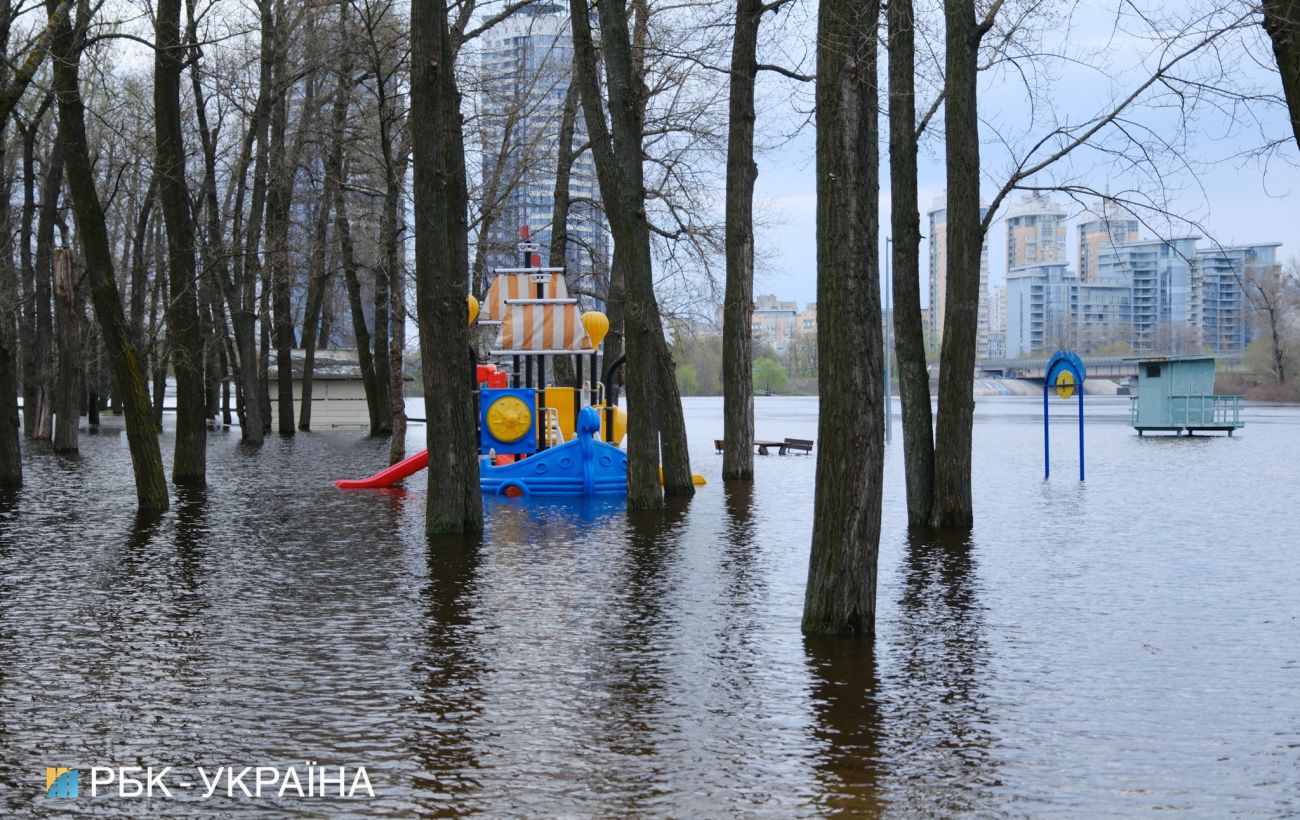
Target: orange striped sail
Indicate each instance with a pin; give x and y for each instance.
(519, 286)
(543, 327)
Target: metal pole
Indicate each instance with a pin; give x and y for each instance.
(1081, 430)
(889, 340)
(1047, 440)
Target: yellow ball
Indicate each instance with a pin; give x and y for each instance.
(509, 418)
(473, 308)
(596, 325)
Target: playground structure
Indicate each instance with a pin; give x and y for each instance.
(537, 438)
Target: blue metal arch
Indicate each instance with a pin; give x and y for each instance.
(1068, 361)
(1065, 360)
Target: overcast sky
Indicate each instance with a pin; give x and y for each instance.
(1238, 200)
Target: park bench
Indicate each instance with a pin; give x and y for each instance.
(801, 445)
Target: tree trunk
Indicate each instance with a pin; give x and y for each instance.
(184, 331)
(558, 254)
(27, 327)
(158, 346)
(1282, 22)
(841, 593)
(146, 457)
(394, 254)
(441, 274)
(252, 271)
(139, 267)
(952, 507)
(380, 336)
(42, 427)
(317, 279)
(11, 454)
(905, 221)
(738, 306)
(654, 402)
(240, 287)
(352, 282)
(395, 148)
(67, 331)
(318, 272)
(279, 194)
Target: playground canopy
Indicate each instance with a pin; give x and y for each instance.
(531, 324)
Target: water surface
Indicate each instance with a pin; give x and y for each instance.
(1122, 646)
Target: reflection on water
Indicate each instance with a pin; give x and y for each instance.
(447, 674)
(1118, 647)
(942, 677)
(849, 726)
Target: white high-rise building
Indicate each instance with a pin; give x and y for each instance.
(939, 279)
(527, 64)
(1105, 228)
(1035, 233)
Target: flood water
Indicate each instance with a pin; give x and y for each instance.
(1117, 647)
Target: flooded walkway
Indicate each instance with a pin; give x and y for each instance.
(1124, 646)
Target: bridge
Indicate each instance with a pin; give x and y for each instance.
(1102, 367)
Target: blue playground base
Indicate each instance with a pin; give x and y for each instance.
(580, 467)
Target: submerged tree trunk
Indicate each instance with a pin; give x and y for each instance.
(41, 422)
(394, 254)
(279, 193)
(318, 272)
(27, 327)
(365, 359)
(654, 402)
(67, 331)
(738, 306)
(441, 274)
(952, 507)
(139, 268)
(317, 279)
(239, 288)
(11, 454)
(841, 593)
(183, 327)
(905, 221)
(142, 439)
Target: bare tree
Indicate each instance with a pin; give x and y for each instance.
(190, 465)
(1273, 292)
(905, 221)
(441, 273)
(841, 593)
(146, 457)
(657, 434)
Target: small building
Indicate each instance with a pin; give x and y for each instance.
(338, 393)
(1176, 393)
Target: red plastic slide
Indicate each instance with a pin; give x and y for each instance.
(389, 477)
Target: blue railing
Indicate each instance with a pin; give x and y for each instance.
(1194, 411)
